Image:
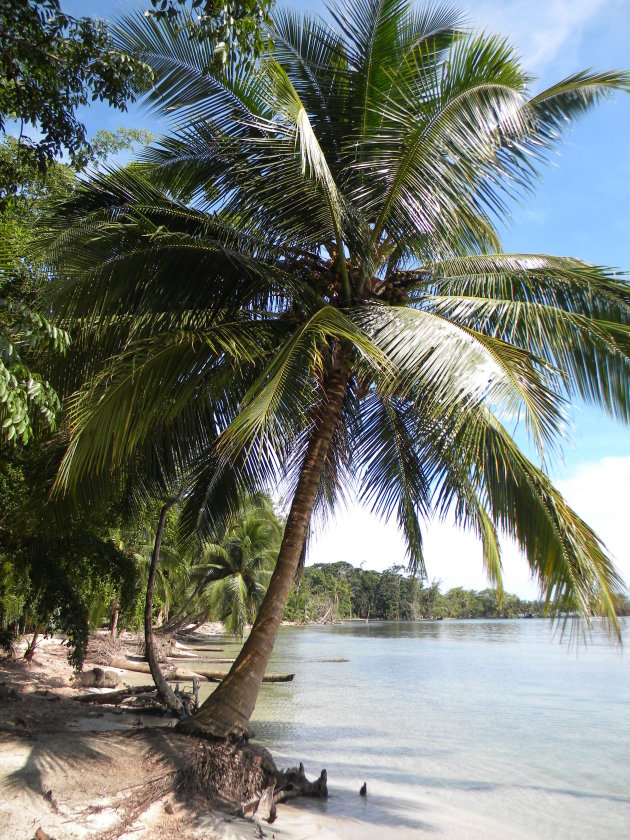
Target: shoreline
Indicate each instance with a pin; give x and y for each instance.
(73, 770)
(354, 620)
(70, 770)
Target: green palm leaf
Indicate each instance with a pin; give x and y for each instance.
(393, 479)
(455, 366)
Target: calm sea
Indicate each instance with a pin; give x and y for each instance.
(462, 729)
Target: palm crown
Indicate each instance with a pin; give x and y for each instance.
(304, 282)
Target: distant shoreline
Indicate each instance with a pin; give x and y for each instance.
(380, 620)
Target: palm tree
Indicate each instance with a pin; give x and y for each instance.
(242, 575)
(309, 268)
(229, 578)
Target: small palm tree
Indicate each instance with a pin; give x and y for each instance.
(304, 284)
(251, 548)
(193, 605)
(12, 599)
(229, 577)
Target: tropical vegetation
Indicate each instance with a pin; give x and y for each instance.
(51, 63)
(302, 286)
(29, 403)
(81, 575)
(341, 591)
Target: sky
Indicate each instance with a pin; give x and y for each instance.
(580, 209)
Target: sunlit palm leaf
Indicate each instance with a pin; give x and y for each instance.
(455, 366)
(279, 405)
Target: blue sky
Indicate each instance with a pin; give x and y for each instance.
(581, 209)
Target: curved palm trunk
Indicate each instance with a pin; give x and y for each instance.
(181, 617)
(228, 709)
(165, 692)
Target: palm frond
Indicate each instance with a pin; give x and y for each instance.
(569, 560)
(454, 366)
(174, 379)
(563, 102)
(572, 315)
(314, 58)
(392, 476)
(278, 407)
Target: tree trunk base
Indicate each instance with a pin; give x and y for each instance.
(230, 775)
(216, 720)
(244, 777)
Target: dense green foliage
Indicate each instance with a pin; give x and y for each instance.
(250, 548)
(326, 216)
(337, 591)
(26, 330)
(226, 578)
(63, 569)
(50, 63)
(235, 27)
(59, 574)
(28, 334)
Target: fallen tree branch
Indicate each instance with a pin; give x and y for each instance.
(217, 676)
(156, 705)
(112, 698)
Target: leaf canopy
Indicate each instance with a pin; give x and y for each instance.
(331, 208)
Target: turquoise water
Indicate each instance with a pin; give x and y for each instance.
(461, 729)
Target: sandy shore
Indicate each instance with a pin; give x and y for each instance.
(69, 770)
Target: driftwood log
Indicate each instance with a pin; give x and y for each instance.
(135, 665)
(113, 698)
(221, 661)
(129, 664)
(217, 676)
(187, 674)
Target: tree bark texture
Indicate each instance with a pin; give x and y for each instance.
(113, 624)
(165, 692)
(228, 709)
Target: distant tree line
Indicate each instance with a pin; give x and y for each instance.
(338, 591)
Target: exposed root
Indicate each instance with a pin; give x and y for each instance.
(244, 777)
(230, 772)
(234, 776)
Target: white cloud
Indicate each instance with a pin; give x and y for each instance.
(600, 492)
(542, 30)
(452, 556)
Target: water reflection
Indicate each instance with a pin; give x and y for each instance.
(460, 630)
